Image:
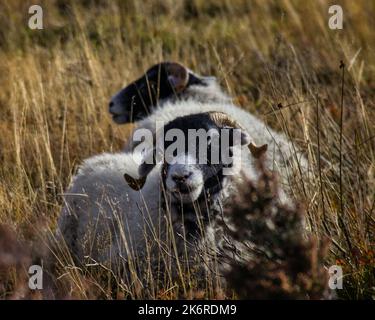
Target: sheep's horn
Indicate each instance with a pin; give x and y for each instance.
(222, 119)
(135, 184)
(256, 151)
(178, 75)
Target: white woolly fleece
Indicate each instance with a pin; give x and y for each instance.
(111, 216)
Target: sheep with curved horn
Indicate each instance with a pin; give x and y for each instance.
(115, 220)
(222, 121)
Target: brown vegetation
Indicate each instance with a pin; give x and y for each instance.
(279, 59)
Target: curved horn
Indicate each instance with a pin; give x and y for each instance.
(222, 119)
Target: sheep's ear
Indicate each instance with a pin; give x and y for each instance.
(143, 171)
(178, 76)
(135, 184)
(256, 151)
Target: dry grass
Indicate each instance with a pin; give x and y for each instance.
(55, 85)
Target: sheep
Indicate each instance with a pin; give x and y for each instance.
(182, 92)
(166, 81)
(117, 210)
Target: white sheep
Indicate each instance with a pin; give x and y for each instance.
(109, 220)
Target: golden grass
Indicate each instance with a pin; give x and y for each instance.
(55, 85)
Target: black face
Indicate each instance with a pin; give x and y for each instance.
(135, 101)
(188, 183)
(211, 168)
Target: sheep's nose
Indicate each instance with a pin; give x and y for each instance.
(111, 104)
(180, 178)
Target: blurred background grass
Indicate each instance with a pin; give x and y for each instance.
(55, 84)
